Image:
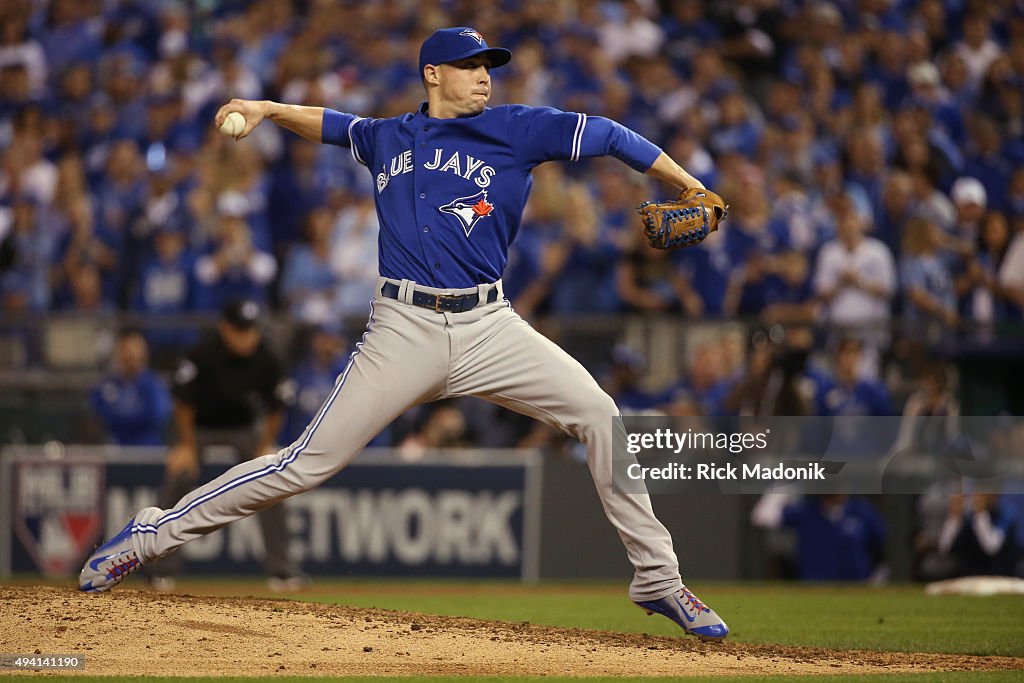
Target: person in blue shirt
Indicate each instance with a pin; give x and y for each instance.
(132, 402)
(451, 181)
(838, 537)
(312, 381)
(166, 288)
(929, 295)
(233, 268)
(847, 392)
(623, 381)
(309, 282)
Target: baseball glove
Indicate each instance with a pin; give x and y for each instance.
(693, 215)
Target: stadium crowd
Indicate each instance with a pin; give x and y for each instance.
(871, 151)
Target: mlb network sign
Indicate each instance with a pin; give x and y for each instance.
(470, 515)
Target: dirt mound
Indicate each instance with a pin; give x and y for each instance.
(140, 633)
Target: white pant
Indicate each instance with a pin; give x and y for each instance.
(411, 355)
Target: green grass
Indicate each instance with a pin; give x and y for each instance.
(893, 618)
(898, 618)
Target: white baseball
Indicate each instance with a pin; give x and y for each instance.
(234, 124)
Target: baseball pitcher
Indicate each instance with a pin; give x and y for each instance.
(451, 181)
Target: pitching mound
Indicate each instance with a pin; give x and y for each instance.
(149, 634)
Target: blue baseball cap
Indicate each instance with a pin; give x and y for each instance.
(461, 42)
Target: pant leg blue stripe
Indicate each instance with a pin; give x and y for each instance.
(173, 515)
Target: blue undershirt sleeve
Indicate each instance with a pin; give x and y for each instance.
(539, 134)
(604, 137)
(348, 130)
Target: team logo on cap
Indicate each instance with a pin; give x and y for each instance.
(469, 210)
(475, 35)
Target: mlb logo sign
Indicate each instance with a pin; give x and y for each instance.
(57, 512)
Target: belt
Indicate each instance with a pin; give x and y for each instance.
(441, 303)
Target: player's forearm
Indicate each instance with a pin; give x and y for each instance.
(185, 424)
(669, 172)
(271, 428)
(307, 122)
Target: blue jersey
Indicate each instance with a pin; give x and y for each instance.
(838, 545)
(450, 193)
(135, 411)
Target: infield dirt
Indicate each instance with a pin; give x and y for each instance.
(141, 633)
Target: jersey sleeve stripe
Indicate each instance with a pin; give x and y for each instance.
(352, 143)
(577, 138)
(170, 516)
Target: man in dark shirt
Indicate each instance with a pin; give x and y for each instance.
(227, 393)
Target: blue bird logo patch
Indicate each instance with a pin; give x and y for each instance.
(469, 210)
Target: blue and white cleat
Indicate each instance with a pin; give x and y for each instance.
(110, 563)
(696, 618)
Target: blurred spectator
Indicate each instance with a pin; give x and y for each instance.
(443, 427)
(846, 392)
(308, 285)
(934, 399)
(898, 205)
(704, 273)
(1011, 276)
(649, 281)
(623, 382)
(166, 279)
(631, 32)
(930, 510)
(855, 279)
(932, 203)
(572, 254)
(779, 287)
(927, 91)
(71, 34)
(234, 268)
(354, 256)
(838, 537)
(745, 398)
(26, 251)
(976, 48)
(688, 30)
(982, 300)
(313, 380)
(706, 383)
(86, 289)
(167, 287)
(929, 299)
(583, 258)
(84, 247)
(1015, 198)
(120, 194)
(296, 189)
(26, 170)
(970, 200)
(986, 161)
(17, 47)
(865, 172)
(132, 402)
(979, 534)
